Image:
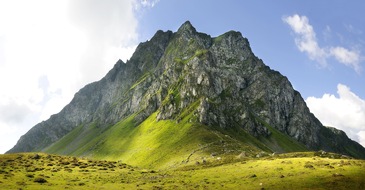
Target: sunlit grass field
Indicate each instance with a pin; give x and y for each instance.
(282, 171)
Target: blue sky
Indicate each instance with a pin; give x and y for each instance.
(51, 49)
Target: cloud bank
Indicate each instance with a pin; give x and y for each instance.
(51, 49)
(345, 112)
(306, 41)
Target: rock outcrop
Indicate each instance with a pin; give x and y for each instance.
(229, 85)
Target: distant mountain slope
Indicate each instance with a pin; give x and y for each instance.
(179, 96)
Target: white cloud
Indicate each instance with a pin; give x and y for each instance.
(350, 28)
(361, 136)
(9, 136)
(108, 26)
(347, 57)
(345, 112)
(306, 41)
(145, 4)
(149, 3)
(51, 49)
(327, 33)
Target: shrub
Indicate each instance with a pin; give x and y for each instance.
(36, 156)
(307, 165)
(40, 180)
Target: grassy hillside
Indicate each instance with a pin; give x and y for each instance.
(152, 143)
(167, 143)
(284, 171)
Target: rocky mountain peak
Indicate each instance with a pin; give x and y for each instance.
(186, 27)
(189, 76)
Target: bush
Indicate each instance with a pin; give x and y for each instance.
(36, 156)
(40, 180)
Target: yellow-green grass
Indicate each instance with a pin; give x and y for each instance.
(281, 173)
(152, 143)
(284, 171)
(167, 143)
(162, 144)
(41, 171)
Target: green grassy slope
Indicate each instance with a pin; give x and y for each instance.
(279, 142)
(168, 143)
(164, 143)
(282, 171)
(73, 142)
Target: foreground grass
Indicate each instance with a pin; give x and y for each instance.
(286, 171)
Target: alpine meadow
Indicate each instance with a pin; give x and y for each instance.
(186, 111)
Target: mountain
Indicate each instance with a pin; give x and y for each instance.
(182, 96)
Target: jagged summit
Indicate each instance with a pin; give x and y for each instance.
(186, 95)
(186, 27)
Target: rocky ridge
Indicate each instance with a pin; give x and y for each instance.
(229, 85)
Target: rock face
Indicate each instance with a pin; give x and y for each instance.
(230, 85)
